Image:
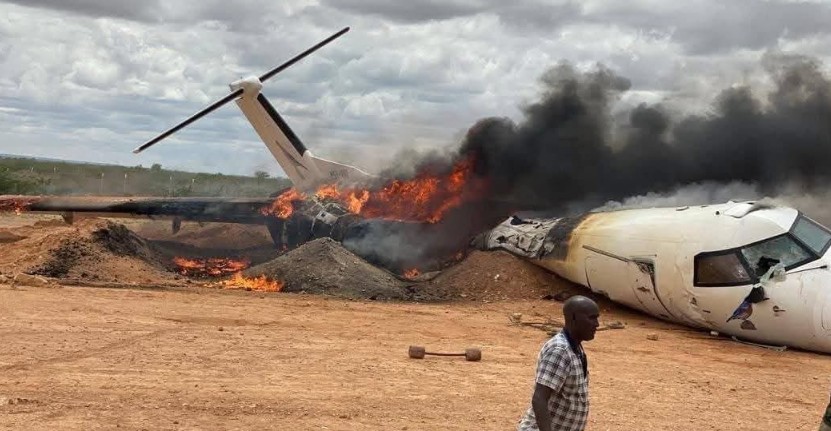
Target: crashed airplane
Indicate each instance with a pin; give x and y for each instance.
(754, 271)
(751, 270)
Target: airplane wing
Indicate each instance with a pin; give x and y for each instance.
(202, 209)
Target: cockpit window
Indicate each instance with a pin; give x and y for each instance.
(811, 234)
(749, 263)
(782, 249)
(805, 242)
(722, 269)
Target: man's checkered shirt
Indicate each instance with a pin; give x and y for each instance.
(561, 369)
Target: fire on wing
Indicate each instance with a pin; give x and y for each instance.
(425, 198)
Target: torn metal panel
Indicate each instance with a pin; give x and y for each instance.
(313, 219)
(529, 238)
(533, 238)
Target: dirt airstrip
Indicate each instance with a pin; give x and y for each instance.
(150, 349)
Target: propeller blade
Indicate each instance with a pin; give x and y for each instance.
(192, 118)
(303, 54)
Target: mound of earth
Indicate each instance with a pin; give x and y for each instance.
(498, 275)
(91, 250)
(100, 251)
(325, 266)
(205, 240)
(7, 237)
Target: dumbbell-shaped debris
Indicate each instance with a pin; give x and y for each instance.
(418, 352)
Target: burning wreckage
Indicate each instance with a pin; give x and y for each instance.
(420, 224)
(753, 270)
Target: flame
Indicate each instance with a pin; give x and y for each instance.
(261, 283)
(213, 267)
(216, 267)
(411, 273)
(283, 206)
(425, 198)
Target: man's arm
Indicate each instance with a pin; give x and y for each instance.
(552, 369)
(539, 402)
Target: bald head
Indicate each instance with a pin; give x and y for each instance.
(578, 303)
(581, 314)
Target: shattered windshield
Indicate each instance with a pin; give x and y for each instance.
(782, 249)
(811, 234)
(805, 242)
(720, 269)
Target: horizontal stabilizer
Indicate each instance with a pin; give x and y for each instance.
(238, 92)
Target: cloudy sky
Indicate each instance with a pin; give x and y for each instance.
(93, 79)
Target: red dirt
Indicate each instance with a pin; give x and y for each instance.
(196, 358)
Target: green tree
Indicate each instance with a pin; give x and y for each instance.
(6, 182)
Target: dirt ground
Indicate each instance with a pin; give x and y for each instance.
(188, 357)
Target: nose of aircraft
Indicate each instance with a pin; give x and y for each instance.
(797, 312)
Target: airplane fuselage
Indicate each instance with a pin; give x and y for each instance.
(697, 266)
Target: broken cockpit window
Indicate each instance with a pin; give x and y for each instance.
(749, 263)
(720, 269)
(781, 249)
(763, 260)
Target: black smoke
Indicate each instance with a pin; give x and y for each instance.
(566, 149)
(571, 152)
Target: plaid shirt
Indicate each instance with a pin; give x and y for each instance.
(560, 367)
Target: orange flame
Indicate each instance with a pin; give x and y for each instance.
(260, 284)
(411, 273)
(213, 267)
(425, 198)
(283, 206)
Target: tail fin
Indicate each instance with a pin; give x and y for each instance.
(306, 171)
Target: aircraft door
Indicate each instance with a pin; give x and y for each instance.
(610, 276)
(642, 276)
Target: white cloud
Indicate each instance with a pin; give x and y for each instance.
(92, 79)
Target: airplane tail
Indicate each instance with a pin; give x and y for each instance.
(305, 171)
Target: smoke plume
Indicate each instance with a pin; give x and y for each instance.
(564, 154)
(569, 155)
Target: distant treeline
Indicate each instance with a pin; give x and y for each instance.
(40, 177)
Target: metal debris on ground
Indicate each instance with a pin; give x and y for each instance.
(553, 326)
(764, 346)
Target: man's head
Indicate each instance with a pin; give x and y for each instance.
(581, 314)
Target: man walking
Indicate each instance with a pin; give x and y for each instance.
(825, 423)
(561, 393)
